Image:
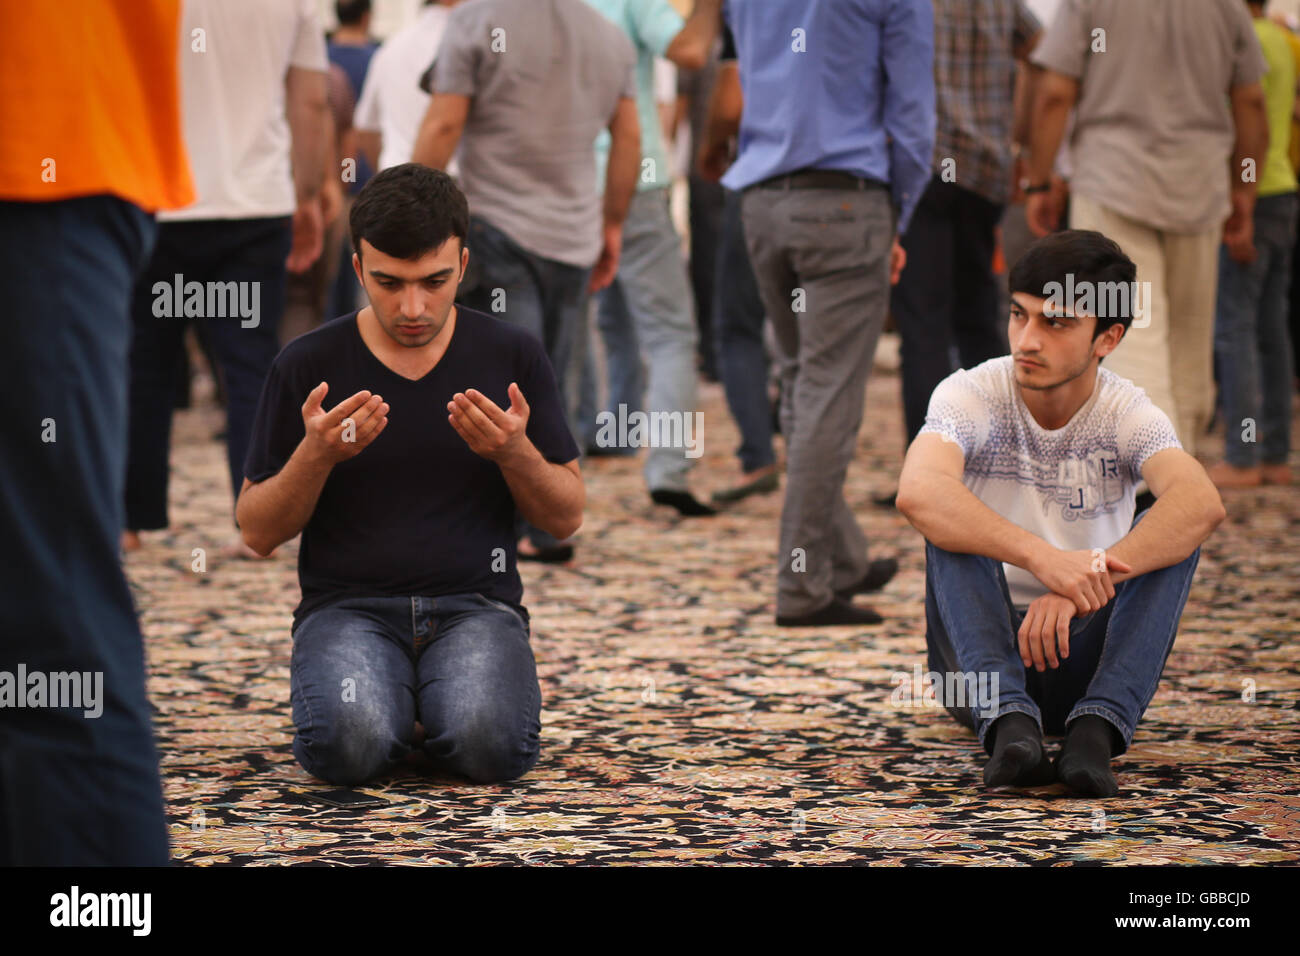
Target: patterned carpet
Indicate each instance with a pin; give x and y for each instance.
(681, 726)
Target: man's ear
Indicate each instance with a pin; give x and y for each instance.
(464, 263)
(1108, 341)
(356, 267)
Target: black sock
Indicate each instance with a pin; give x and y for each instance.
(1084, 763)
(1018, 758)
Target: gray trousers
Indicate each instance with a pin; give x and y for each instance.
(821, 257)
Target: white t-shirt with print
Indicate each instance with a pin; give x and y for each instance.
(235, 55)
(1074, 486)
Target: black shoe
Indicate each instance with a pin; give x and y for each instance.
(762, 485)
(685, 502)
(886, 501)
(556, 555)
(879, 573)
(837, 612)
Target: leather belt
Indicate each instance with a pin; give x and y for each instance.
(819, 179)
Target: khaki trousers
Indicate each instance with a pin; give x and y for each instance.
(1169, 350)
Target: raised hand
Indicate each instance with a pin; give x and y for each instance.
(347, 428)
(495, 434)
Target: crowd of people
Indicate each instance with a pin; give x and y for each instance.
(405, 258)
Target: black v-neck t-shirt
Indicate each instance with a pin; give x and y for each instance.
(416, 513)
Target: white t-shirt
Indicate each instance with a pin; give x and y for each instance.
(1074, 486)
(392, 102)
(233, 102)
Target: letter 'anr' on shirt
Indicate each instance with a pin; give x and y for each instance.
(416, 512)
(1074, 486)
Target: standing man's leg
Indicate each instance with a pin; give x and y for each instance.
(1236, 338)
(706, 204)
(823, 270)
(74, 789)
(741, 355)
(1277, 368)
(923, 303)
(653, 279)
(979, 329)
(623, 371)
(251, 253)
(1142, 356)
(479, 699)
(1192, 275)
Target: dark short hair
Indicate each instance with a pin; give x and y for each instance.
(408, 210)
(1087, 256)
(350, 12)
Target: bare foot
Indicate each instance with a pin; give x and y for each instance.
(1225, 475)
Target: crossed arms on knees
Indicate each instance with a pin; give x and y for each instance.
(933, 498)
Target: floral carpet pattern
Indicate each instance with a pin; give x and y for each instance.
(680, 725)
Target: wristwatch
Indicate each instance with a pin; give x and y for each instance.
(1029, 189)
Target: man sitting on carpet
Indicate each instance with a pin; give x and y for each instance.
(410, 596)
(1039, 580)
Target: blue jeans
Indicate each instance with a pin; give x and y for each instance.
(1252, 343)
(545, 297)
(74, 790)
(742, 358)
(363, 670)
(1116, 657)
(646, 313)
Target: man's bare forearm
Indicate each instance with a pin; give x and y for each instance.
(307, 110)
(1177, 523)
(951, 517)
(1250, 119)
(1052, 101)
(690, 48)
(273, 511)
(550, 496)
(621, 170)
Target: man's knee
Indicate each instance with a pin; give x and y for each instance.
(488, 750)
(354, 747)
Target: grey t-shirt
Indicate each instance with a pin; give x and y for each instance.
(544, 77)
(1153, 132)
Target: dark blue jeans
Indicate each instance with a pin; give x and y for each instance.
(1252, 343)
(235, 250)
(742, 359)
(364, 670)
(1116, 653)
(74, 790)
(546, 297)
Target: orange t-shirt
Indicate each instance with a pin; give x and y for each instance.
(90, 102)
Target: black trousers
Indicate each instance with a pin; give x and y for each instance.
(248, 252)
(947, 297)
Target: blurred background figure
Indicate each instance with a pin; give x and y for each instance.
(78, 788)
(1167, 97)
(352, 49)
(523, 87)
(738, 315)
(832, 164)
(392, 103)
(1252, 343)
(946, 304)
(645, 315)
(256, 125)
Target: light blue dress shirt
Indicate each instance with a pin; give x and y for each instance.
(836, 84)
